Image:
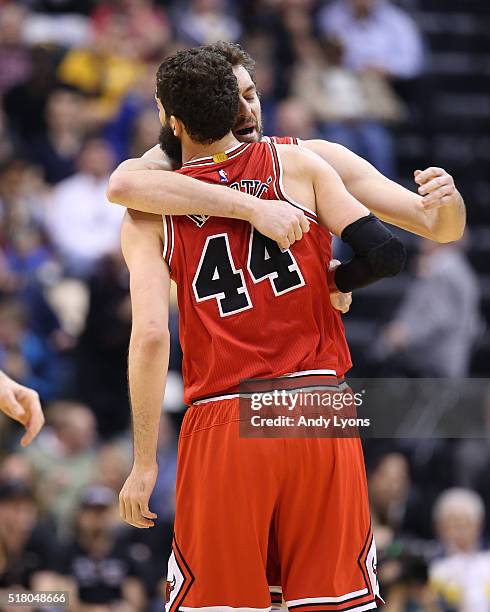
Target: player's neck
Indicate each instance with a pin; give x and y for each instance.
(193, 150)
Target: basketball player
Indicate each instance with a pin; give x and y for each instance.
(248, 309)
(21, 404)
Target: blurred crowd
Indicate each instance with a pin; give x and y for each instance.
(76, 98)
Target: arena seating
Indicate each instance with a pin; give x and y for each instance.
(449, 127)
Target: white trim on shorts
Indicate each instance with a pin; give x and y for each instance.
(328, 600)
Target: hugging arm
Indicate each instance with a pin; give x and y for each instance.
(377, 252)
(437, 212)
(138, 184)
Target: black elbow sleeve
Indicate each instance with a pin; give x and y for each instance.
(377, 254)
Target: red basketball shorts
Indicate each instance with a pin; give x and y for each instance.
(256, 512)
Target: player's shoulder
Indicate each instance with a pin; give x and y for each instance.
(331, 152)
(137, 224)
(325, 148)
(299, 159)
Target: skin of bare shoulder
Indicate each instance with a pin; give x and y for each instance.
(136, 222)
(343, 161)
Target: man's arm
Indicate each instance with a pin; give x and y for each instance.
(136, 185)
(377, 253)
(149, 347)
(439, 215)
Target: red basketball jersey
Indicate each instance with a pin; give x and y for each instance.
(248, 310)
(344, 359)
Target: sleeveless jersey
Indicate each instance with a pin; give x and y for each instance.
(247, 309)
(344, 359)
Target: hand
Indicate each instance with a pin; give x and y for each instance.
(22, 405)
(437, 188)
(340, 301)
(280, 221)
(135, 496)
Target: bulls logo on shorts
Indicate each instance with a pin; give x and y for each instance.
(179, 580)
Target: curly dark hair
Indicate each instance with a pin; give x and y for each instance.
(234, 54)
(198, 87)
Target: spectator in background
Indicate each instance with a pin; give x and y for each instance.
(139, 100)
(104, 70)
(113, 465)
(79, 221)
(145, 128)
(144, 24)
(15, 57)
(27, 254)
(377, 36)
(17, 466)
(462, 576)
(26, 549)
(389, 486)
(100, 568)
(206, 21)
(27, 261)
(437, 323)
(395, 502)
(271, 79)
(103, 346)
(294, 117)
(65, 458)
(25, 103)
(24, 356)
(23, 197)
(56, 151)
(352, 107)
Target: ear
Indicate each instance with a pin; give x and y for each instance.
(161, 111)
(176, 126)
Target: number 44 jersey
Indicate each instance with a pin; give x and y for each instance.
(248, 309)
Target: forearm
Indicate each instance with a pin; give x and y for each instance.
(391, 202)
(447, 223)
(394, 204)
(169, 193)
(147, 368)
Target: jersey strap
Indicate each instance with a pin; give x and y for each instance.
(279, 187)
(168, 238)
(287, 140)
